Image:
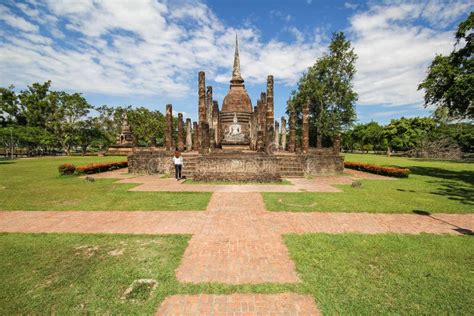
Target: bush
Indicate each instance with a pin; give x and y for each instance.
(385, 171)
(101, 167)
(66, 169)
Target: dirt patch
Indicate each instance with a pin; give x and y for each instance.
(116, 252)
(86, 250)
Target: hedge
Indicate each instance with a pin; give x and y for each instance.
(385, 171)
(66, 169)
(101, 167)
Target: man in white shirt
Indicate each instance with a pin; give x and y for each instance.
(178, 164)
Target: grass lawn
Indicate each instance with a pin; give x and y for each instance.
(434, 186)
(35, 184)
(346, 274)
(386, 274)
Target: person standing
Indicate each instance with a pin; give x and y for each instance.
(178, 164)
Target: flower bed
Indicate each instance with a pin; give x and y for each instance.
(101, 167)
(385, 171)
(66, 169)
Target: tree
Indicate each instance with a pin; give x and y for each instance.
(449, 84)
(407, 133)
(10, 112)
(328, 85)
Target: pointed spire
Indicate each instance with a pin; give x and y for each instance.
(236, 76)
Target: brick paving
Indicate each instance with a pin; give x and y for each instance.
(238, 305)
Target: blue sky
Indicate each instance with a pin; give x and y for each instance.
(148, 53)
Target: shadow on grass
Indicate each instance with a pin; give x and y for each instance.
(461, 230)
(457, 185)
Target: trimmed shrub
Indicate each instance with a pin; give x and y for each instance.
(101, 167)
(66, 169)
(384, 171)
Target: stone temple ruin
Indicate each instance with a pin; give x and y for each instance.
(237, 142)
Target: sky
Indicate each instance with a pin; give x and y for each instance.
(148, 52)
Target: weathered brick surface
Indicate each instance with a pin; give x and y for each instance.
(239, 305)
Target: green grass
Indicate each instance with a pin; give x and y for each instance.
(386, 274)
(346, 274)
(35, 184)
(434, 186)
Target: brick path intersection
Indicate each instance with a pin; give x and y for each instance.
(235, 241)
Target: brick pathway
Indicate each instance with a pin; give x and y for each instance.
(154, 183)
(235, 242)
(239, 305)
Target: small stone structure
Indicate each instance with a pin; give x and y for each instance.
(239, 142)
(125, 141)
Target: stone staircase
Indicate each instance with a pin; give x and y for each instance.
(290, 167)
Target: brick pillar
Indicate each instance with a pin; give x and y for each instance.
(180, 132)
(276, 140)
(319, 135)
(189, 136)
(195, 136)
(305, 127)
(215, 123)
(263, 113)
(209, 107)
(202, 102)
(253, 129)
(260, 142)
(205, 141)
(169, 128)
(283, 133)
(212, 138)
(269, 103)
(337, 144)
(292, 140)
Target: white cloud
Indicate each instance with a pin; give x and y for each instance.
(349, 5)
(15, 21)
(395, 50)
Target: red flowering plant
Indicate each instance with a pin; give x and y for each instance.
(100, 167)
(381, 170)
(66, 169)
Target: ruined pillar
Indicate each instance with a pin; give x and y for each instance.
(283, 133)
(169, 127)
(195, 136)
(292, 140)
(269, 103)
(212, 138)
(180, 132)
(336, 147)
(260, 142)
(253, 129)
(305, 128)
(209, 107)
(189, 137)
(202, 103)
(205, 141)
(215, 123)
(263, 113)
(319, 135)
(276, 139)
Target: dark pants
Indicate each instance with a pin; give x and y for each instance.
(177, 169)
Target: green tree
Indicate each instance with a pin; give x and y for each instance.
(328, 85)
(449, 84)
(10, 112)
(407, 133)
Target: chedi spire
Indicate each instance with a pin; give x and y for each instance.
(236, 76)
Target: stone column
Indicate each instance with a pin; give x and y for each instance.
(205, 141)
(195, 136)
(189, 137)
(259, 109)
(269, 113)
(202, 97)
(253, 129)
(305, 127)
(260, 142)
(292, 140)
(169, 127)
(215, 123)
(209, 106)
(212, 138)
(277, 136)
(180, 132)
(336, 147)
(319, 135)
(263, 113)
(283, 133)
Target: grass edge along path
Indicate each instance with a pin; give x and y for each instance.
(35, 185)
(346, 273)
(433, 186)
